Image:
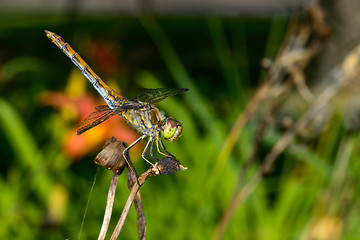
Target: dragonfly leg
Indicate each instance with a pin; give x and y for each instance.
(160, 144)
(152, 153)
(126, 155)
(149, 143)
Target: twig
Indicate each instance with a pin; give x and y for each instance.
(134, 190)
(165, 166)
(112, 158)
(140, 220)
(342, 75)
(266, 122)
(109, 206)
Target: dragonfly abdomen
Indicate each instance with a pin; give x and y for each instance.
(104, 90)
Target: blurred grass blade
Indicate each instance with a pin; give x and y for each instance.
(18, 135)
(21, 64)
(227, 63)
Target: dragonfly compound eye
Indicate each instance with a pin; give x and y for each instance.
(172, 129)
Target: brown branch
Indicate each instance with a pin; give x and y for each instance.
(141, 223)
(112, 158)
(165, 166)
(151, 172)
(109, 206)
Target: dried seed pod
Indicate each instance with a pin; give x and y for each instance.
(169, 165)
(111, 156)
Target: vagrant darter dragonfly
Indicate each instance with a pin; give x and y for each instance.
(140, 112)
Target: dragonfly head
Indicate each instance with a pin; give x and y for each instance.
(171, 129)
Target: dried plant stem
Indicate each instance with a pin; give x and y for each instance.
(141, 223)
(141, 180)
(112, 158)
(236, 130)
(109, 206)
(312, 112)
(140, 216)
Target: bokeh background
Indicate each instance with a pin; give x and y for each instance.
(271, 121)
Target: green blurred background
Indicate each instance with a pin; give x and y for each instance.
(47, 172)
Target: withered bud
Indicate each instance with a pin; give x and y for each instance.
(169, 165)
(111, 156)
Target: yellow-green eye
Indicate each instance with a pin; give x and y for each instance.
(171, 129)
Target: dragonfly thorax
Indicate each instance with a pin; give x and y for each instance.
(171, 129)
(146, 119)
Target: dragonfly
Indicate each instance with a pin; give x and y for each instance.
(140, 112)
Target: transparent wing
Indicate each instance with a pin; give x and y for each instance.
(95, 118)
(130, 104)
(154, 95)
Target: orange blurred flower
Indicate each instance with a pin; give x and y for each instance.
(105, 55)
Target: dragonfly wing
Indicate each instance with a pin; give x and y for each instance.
(95, 118)
(130, 104)
(102, 108)
(158, 94)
